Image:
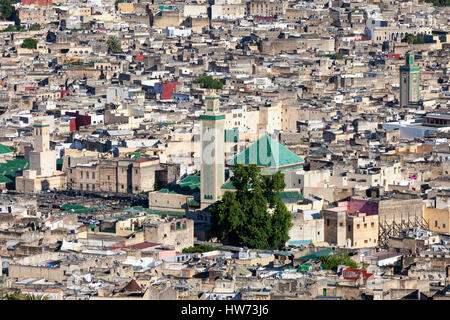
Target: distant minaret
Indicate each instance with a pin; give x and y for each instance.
(409, 82)
(42, 159)
(213, 160)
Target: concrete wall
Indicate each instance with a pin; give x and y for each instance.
(306, 229)
(167, 233)
(438, 219)
(163, 201)
(335, 227)
(23, 272)
(398, 210)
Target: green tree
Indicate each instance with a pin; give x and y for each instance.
(35, 27)
(6, 9)
(253, 216)
(228, 219)
(414, 39)
(26, 296)
(209, 82)
(419, 39)
(202, 248)
(114, 44)
(118, 1)
(157, 185)
(15, 150)
(332, 261)
(29, 43)
(439, 3)
(409, 38)
(281, 223)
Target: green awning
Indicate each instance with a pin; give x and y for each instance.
(4, 149)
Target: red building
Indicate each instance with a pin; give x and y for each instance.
(139, 57)
(166, 89)
(78, 120)
(40, 3)
(393, 55)
(354, 274)
(64, 93)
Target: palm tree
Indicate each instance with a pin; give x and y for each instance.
(26, 296)
(114, 44)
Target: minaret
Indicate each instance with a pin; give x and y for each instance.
(213, 159)
(409, 82)
(41, 132)
(42, 159)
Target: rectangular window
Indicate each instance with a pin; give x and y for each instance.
(372, 224)
(349, 228)
(365, 225)
(341, 224)
(328, 222)
(435, 223)
(357, 226)
(93, 175)
(365, 241)
(87, 174)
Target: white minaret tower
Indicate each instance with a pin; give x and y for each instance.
(213, 159)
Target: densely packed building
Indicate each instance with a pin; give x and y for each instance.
(104, 184)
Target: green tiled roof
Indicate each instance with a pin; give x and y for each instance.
(231, 135)
(290, 196)
(212, 117)
(228, 185)
(192, 181)
(77, 208)
(12, 166)
(4, 179)
(4, 149)
(267, 152)
(318, 254)
(188, 186)
(193, 202)
(161, 212)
